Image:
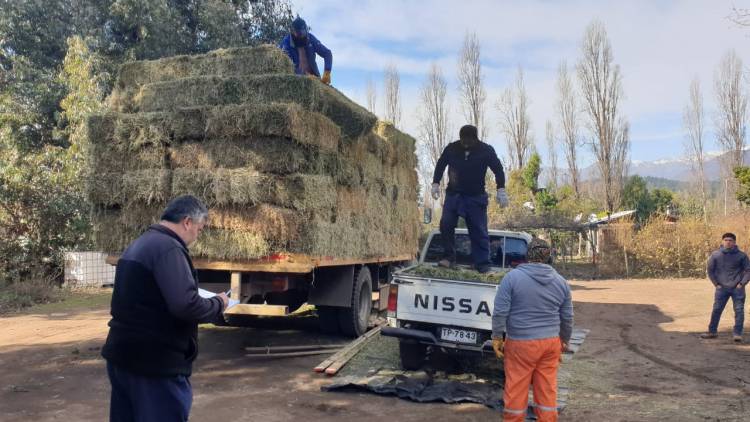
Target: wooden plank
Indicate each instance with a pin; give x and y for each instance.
(339, 363)
(352, 346)
(291, 354)
(272, 349)
(291, 263)
(258, 310)
(235, 283)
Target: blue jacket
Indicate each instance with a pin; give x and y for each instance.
(533, 302)
(313, 47)
(467, 168)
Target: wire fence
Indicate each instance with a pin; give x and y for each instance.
(88, 269)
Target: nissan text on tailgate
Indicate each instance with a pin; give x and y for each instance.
(450, 309)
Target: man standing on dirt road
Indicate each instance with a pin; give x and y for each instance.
(729, 271)
(301, 46)
(467, 160)
(153, 334)
(531, 326)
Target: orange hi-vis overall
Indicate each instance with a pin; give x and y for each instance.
(531, 362)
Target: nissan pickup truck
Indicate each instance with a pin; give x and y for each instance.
(449, 309)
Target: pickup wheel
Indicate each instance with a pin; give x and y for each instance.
(353, 320)
(412, 354)
(328, 318)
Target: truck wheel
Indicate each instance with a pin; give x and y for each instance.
(412, 354)
(353, 320)
(328, 318)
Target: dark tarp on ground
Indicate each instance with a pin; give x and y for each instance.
(422, 387)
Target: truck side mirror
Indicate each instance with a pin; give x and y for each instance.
(427, 216)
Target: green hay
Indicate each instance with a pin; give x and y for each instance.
(400, 149)
(225, 62)
(148, 186)
(246, 187)
(279, 156)
(117, 146)
(115, 228)
(455, 274)
(268, 221)
(230, 245)
(312, 95)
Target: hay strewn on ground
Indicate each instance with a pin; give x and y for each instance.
(285, 163)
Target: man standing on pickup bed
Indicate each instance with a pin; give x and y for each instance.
(467, 160)
(153, 333)
(531, 326)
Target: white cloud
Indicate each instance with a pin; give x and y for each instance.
(660, 47)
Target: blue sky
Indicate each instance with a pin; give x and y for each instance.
(659, 45)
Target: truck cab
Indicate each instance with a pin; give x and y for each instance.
(452, 314)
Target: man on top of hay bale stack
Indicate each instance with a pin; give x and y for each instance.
(729, 272)
(301, 46)
(468, 160)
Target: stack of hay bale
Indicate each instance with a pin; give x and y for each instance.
(285, 163)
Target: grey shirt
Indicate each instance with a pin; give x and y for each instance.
(728, 267)
(533, 302)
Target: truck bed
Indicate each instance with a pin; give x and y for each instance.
(284, 263)
(453, 274)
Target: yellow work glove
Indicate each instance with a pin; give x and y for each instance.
(326, 78)
(497, 346)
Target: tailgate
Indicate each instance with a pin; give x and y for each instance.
(453, 303)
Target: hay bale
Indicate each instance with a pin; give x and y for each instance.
(265, 155)
(230, 245)
(114, 228)
(120, 145)
(275, 224)
(224, 62)
(149, 186)
(352, 118)
(246, 187)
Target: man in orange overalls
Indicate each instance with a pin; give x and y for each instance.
(531, 327)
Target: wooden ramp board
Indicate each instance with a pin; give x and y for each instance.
(333, 364)
(257, 310)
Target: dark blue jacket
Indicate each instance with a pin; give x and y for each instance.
(313, 46)
(467, 168)
(156, 307)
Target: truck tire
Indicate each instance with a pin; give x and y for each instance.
(328, 319)
(354, 319)
(412, 354)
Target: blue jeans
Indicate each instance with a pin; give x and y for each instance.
(721, 297)
(474, 210)
(148, 399)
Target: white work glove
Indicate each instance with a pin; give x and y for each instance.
(436, 191)
(501, 198)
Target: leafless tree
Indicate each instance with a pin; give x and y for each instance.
(371, 95)
(693, 121)
(434, 122)
(515, 122)
(552, 151)
(740, 16)
(471, 84)
(601, 88)
(567, 109)
(392, 82)
(731, 117)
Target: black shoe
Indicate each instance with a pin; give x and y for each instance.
(484, 269)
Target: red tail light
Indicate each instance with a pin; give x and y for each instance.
(392, 298)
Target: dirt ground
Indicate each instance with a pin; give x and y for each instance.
(642, 361)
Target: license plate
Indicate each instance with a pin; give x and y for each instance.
(459, 336)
